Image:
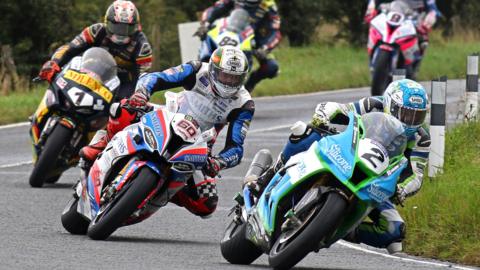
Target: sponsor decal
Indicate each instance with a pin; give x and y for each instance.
(302, 169)
(195, 158)
(156, 126)
(375, 191)
(99, 105)
(61, 82)
(150, 138)
(204, 81)
(416, 100)
(234, 63)
(91, 83)
(335, 155)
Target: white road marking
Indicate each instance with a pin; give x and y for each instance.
(270, 128)
(21, 124)
(356, 247)
(15, 164)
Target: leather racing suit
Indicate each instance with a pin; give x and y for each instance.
(265, 21)
(210, 111)
(388, 228)
(132, 59)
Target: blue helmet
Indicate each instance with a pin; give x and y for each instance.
(407, 101)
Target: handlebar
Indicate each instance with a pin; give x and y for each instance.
(37, 80)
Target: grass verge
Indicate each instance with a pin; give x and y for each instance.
(306, 69)
(443, 220)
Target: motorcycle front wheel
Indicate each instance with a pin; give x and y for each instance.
(292, 246)
(112, 215)
(73, 221)
(236, 248)
(381, 73)
(56, 142)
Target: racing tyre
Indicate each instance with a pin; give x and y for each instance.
(236, 248)
(112, 215)
(72, 221)
(381, 73)
(292, 246)
(58, 139)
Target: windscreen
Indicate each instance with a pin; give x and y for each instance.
(238, 20)
(386, 130)
(400, 6)
(98, 63)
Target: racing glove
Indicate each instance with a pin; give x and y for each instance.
(261, 53)
(370, 13)
(49, 70)
(400, 196)
(213, 166)
(325, 112)
(139, 100)
(202, 31)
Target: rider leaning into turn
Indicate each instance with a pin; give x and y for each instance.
(214, 96)
(120, 35)
(265, 21)
(407, 101)
(424, 26)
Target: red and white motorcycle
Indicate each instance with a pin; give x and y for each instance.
(392, 44)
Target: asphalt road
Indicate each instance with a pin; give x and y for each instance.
(32, 237)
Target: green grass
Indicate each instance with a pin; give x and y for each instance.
(302, 70)
(323, 67)
(443, 220)
(17, 107)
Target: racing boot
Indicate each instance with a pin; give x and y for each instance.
(120, 117)
(90, 152)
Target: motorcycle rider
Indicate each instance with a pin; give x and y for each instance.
(265, 21)
(424, 26)
(120, 35)
(407, 101)
(214, 96)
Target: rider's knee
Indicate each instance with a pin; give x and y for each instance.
(270, 68)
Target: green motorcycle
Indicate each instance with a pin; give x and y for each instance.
(320, 195)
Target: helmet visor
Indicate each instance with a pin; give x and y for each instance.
(121, 29)
(229, 79)
(408, 116)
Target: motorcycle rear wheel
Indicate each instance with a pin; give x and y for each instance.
(72, 221)
(326, 217)
(236, 248)
(53, 147)
(381, 73)
(123, 205)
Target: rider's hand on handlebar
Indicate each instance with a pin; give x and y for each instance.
(202, 31)
(49, 70)
(213, 166)
(261, 53)
(370, 14)
(139, 100)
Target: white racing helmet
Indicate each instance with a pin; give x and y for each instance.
(228, 70)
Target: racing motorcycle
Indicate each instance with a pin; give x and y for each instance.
(320, 195)
(75, 105)
(234, 30)
(392, 44)
(139, 171)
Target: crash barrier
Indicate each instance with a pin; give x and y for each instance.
(189, 45)
(399, 74)
(437, 126)
(471, 97)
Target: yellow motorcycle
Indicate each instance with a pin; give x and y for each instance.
(75, 105)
